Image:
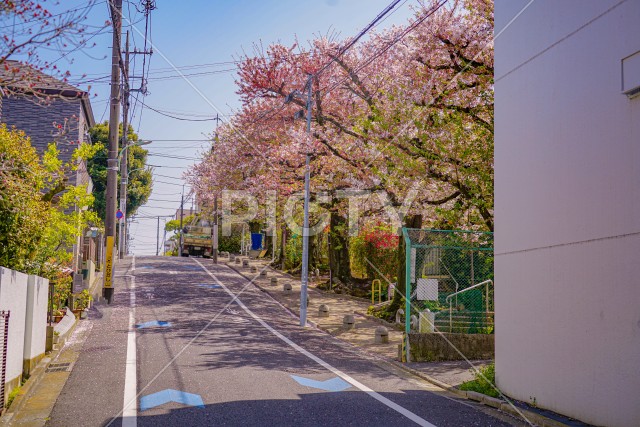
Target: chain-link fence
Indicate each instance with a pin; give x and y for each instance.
(449, 275)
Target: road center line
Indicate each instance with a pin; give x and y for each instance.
(403, 411)
(130, 401)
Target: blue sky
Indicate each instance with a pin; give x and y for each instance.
(195, 32)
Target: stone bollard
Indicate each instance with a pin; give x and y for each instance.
(323, 311)
(245, 263)
(263, 273)
(382, 335)
(274, 280)
(348, 321)
(232, 257)
(287, 288)
(254, 269)
(238, 260)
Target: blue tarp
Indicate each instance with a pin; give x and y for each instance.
(256, 241)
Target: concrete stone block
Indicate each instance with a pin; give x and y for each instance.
(263, 273)
(323, 310)
(287, 288)
(274, 280)
(348, 321)
(245, 263)
(381, 335)
(254, 269)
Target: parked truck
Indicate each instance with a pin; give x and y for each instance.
(197, 241)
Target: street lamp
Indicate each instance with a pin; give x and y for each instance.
(304, 280)
(124, 179)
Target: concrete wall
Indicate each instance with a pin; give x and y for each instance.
(35, 322)
(13, 297)
(567, 208)
(437, 347)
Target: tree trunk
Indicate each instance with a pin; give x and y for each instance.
(413, 221)
(339, 261)
(283, 247)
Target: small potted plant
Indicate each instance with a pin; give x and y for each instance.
(81, 303)
(57, 315)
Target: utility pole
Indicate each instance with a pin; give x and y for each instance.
(305, 227)
(112, 156)
(214, 234)
(181, 218)
(158, 239)
(124, 159)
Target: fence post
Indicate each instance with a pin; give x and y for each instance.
(407, 291)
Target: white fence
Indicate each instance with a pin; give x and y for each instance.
(25, 297)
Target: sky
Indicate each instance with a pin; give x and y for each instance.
(200, 38)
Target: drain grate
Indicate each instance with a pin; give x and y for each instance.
(303, 371)
(59, 367)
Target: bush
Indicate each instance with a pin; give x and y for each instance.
(377, 243)
(484, 382)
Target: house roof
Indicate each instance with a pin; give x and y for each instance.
(24, 79)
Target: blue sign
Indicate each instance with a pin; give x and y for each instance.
(256, 241)
(170, 395)
(333, 384)
(119, 214)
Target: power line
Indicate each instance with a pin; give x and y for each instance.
(175, 117)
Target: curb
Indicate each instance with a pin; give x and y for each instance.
(533, 417)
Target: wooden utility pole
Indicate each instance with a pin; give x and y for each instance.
(112, 157)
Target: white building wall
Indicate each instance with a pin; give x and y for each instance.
(567, 208)
(13, 297)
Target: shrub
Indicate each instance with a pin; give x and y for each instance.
(484, 382)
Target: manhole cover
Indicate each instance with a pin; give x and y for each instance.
(59, 367)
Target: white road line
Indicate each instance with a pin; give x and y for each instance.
(130, 401)
(403, 411)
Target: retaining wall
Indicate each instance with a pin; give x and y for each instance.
(438, 347)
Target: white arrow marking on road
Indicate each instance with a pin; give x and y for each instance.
(332, 384)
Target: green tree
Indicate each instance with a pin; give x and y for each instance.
(41, 215)
(23, 209)
(139, 182)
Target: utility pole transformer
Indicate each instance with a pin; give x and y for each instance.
(112, 156)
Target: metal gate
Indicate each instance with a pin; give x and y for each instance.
(4, 339)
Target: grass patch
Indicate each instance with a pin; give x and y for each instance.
(484, 382)
(14, 393)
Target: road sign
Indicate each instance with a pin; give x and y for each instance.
(108, 271)
(119, 214)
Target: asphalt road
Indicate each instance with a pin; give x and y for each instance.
(187, 343)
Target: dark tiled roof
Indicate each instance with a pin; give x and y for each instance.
(24, 78)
